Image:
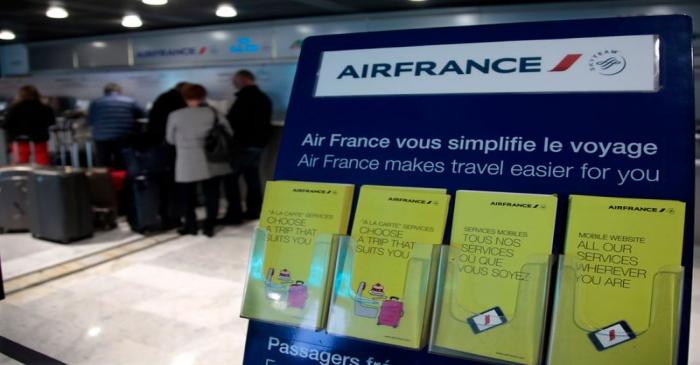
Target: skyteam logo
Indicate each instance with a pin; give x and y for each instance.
(244, 45)
(533, 66)
(609, 62)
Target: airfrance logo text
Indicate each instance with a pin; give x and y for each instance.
(504, 65)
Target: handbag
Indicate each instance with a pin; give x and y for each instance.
(219, 143)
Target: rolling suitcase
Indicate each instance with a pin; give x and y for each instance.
(143, 213)
(59, 205)
(297, 295)
(103, 196)
(14, 199)
(390, 313)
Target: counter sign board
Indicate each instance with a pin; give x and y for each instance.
(600, 107)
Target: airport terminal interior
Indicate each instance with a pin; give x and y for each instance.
(137, 138)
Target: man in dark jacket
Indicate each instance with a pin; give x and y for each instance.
(165, 104)
(250, 117)
(112, 118)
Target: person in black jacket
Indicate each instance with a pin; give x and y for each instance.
(250, 117)
(163, 106)
(28, 120)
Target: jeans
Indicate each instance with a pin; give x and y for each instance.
(188, 194)
(248, 165)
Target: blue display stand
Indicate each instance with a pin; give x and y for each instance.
(559, 95)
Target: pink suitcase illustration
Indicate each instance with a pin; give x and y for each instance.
(390, 313)
(296, 297)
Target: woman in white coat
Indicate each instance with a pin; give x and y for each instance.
(187, 130)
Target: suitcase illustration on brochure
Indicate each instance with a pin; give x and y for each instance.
(364, 307)
(390, 313)
(298, 293)
(274, 292)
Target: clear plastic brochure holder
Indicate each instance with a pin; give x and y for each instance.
(272, 295)
(359, 309)
(484, 320)
(578, 337)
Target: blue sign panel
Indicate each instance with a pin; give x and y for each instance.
(597, 107)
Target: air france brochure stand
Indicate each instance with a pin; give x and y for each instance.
(600, 107)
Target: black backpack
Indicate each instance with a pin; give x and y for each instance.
(219, 144)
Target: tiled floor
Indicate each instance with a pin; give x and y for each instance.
(22, 254)
(174, 304)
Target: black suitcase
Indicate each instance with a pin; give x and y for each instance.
(14, 199)
(103, 196)
(143, 213)
(59, 205)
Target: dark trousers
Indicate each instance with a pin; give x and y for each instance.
(169, 207)
(110, 154)
(188, 194)
(248, 165)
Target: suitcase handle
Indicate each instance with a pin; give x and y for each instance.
(393, 298)
(299, 282)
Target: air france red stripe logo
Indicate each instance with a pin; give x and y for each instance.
(566, 62)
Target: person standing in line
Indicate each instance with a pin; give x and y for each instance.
(250, 117)
(187, 130)
(28, 120)
(113, 119)
(163, 106)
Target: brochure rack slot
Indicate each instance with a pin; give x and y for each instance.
(355, 312)
(300, 303)
(470, 323)
(578, 338)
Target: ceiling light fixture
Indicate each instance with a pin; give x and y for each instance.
(56, 12)
(7, 35)
(132, 21)
(154, 2)
(226, 11)
(417, 1)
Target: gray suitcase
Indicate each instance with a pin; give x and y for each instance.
(59, 205)
(14, 199)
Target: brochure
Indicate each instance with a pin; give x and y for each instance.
(494, 237)
(394, 232)
(291, 282)
(619, 246)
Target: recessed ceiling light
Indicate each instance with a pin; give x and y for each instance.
(56, 12)
(132, 21)
(7, 35)
(417, 1)
(226, 11)
(155, 2)
(99, 44)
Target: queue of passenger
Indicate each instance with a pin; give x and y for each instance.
(170, 150)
